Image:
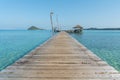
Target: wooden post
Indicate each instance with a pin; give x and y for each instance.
(51, 13)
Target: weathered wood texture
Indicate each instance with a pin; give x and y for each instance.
(60, 58)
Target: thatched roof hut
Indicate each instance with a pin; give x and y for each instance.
(78, 28)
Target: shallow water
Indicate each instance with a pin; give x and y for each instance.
(15, 44)
(104, 43)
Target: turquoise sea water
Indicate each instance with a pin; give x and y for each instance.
(104, 43)
(15, 44)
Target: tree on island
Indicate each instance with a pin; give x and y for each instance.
(34, 28)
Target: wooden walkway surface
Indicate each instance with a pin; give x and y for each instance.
(60, 58)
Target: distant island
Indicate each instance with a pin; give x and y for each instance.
(34, 28)
(102, 29)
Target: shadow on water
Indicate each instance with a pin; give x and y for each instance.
(77, 34)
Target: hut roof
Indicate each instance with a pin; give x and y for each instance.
(77, 26)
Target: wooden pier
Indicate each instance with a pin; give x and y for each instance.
(60, 58)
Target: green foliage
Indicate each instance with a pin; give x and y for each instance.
(34, 28)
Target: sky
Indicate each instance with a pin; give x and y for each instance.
(21, 14)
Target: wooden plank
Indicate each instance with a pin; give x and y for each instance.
(60, 58)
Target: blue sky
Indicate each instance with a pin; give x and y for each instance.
(20, 14)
